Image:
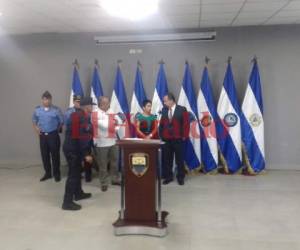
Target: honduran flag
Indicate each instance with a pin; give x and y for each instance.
(138, 94)
(207, 114)
(253, 124)
(76, 88)
(187, 99)
(119, 105)
(161, 89)
(229, 125)
(96, 86)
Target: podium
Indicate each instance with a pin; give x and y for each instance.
(141, 189)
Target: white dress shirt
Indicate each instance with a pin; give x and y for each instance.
(173, 109)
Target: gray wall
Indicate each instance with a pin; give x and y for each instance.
(30, 64)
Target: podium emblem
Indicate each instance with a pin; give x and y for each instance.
(139, 163)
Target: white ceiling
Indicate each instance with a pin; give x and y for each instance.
(37, 16)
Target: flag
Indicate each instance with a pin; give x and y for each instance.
(138, 94)
(253, 124)
(96, 87)
(119, 104)
(187, 99)
(207, 114)
(76, 88)
(229, 126)
(161, 89)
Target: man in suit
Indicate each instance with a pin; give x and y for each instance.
(173, 130)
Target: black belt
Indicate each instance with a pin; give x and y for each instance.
(49, 133)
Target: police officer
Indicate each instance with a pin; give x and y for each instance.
(76, 105)
(47, 121)
(77, 148)
(87, 166)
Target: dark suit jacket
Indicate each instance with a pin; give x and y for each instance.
(178, 128)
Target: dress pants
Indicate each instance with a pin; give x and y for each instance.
(73, 183)
(105, 156)
(50, 146)
(170, 148)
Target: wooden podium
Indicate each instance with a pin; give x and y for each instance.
(141, 189)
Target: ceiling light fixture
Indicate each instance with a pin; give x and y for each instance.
(130, 9)
(156, 38)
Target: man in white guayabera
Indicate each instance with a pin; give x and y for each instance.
(106, 149)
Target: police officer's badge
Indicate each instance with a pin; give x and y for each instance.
(139, 163)
(206, 120)
(255, 120)
(230, 119)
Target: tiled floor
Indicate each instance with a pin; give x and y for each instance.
(209, 212)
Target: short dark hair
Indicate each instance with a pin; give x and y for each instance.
(145, 102)
(171, 97)
(47, 95)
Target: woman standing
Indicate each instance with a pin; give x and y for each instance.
(146, 123)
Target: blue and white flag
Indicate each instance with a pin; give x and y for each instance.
(187, 98)
(96, 87)
(207, 114)
(229, 125)
(119, 104)
(138, 94)
(76, 88)
(253, 124)
(161, 89)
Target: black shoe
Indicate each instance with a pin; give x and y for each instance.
(71, 206)
(167, 181)
(83, 196)
(180, 182)
(46, 177)
(57, 178)
(103, 188)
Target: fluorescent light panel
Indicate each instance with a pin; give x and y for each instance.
(150, 38)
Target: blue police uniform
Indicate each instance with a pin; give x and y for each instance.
(49, 120)
(67, 122)
(77, 145)
(67, 115)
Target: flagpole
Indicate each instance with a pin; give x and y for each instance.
(119, 62)
(206, 60)
(75, 63)
(161, 61)
(254, 59)
(229, 59)
(96, 63)
(139, 64)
